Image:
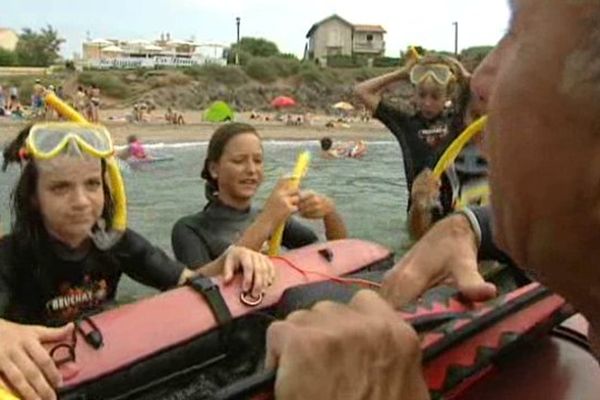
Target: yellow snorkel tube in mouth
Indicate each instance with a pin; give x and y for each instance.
(47, 140)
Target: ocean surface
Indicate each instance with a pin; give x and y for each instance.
(370, 193)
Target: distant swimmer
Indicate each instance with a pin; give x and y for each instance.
(356, 149)
(135, 149)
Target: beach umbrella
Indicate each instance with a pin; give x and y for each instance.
(218, 111)
(283, 101)
(342, 105)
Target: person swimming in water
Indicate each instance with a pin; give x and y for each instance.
(135, 149)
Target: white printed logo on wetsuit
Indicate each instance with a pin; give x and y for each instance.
(72, 300)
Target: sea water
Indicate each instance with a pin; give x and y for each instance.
(370, 193)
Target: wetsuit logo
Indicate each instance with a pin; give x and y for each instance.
(73, 300)
(432, 136)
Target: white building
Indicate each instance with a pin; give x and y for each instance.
(139, 53)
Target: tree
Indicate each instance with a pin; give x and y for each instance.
(38, 49)
(472, 56)
(256, 47)
(7, 58)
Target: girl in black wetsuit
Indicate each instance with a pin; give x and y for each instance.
(55, 265)
(233, 171)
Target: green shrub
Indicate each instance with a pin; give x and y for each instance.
(262, 69)
(227, 75)
(108, 82)
(7, 58)
(285, 66)
(386, 62)
(342, 61)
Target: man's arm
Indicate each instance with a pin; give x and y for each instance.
(449, 250)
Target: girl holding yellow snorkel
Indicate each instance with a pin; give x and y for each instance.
(69, 246)
(233, 171)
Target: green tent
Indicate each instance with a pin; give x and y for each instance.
(218, 111)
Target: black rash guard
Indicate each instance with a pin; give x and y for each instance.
(410, 132)
(202, 237)
(54, 284)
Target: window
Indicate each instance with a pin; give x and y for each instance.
(369, 37)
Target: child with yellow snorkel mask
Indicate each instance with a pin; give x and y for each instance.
(67, 249)
(423, 135)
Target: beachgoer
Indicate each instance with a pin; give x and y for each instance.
(135, 149)
(357, 149)
(174, 117)
(542, 135)
(2, 100)
(328, 151)
(51, 269)
(425, 135)
(95, 103)
(233, 170)
(37, 99)
(14, 91)
(89, 115)
(81, 100)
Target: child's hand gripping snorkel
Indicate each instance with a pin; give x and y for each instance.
(103, 238)
(300, 170)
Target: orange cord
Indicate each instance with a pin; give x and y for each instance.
(348, 281)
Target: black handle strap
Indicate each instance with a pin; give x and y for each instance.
(211, 293)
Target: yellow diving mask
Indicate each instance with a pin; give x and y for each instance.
(441, 73)
(47, 140)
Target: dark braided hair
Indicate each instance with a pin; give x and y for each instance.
(216, 146)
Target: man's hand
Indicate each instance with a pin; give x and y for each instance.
(356, 351)
(25, 365)
(447, 252)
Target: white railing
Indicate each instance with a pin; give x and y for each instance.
(374, 47)
(151, 62)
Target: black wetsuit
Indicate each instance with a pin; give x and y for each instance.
(54, 284)
(410, 131)
(202, 237)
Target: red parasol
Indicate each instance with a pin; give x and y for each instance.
(283, 101)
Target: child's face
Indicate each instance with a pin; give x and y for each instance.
(430, 100)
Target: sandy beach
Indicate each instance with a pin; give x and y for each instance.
(157, 130)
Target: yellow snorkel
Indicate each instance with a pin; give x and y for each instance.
(300, 170)
(6, 395)
(414, 53)
(452, 152)
(102, 239)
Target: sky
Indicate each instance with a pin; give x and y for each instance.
(427, 23)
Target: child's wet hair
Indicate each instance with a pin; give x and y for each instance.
(326, 143)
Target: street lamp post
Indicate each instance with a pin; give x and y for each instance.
(455, 38)
(237, 50)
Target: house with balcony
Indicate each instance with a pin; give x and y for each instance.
(336, 36)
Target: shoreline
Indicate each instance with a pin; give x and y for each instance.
(158, 131)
